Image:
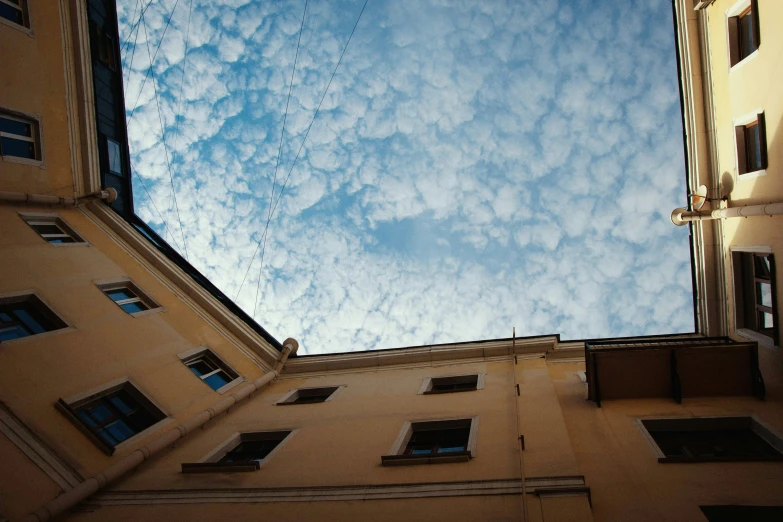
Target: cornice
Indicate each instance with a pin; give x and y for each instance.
(201, 301)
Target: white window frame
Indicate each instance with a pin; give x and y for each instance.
(233, 441)
(401, 442)
(117, 284)
(731, 12)
(196, 354)
(37, 138)
(53, 219)
(747, 333)
(426, 386)
(27, 27)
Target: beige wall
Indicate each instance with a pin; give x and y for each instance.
(753, 84)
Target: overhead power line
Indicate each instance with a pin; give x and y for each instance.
(282, 189)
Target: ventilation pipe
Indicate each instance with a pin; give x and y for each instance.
(109, 196)
(680, 216)
(130, 462)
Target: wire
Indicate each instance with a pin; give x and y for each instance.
(152, 60)
(135, 25)
(165, 226)
(133, 53)
(280, 149)
(282, 189)
(163, 137)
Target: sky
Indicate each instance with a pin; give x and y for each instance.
(474, 166)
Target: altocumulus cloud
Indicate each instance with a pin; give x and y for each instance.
(474, 166)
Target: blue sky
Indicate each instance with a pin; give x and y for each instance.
(475, 166)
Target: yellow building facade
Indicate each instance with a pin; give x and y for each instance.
(133, 389)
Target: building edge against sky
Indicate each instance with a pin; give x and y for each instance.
(116, 352)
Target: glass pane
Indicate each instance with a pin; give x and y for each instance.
(421, 451)
(764, 293)
(99, 411)
(123, 404)
(5, 318)
(201, 367)
(12, 332)
(115, 159)
(762, 266)
(48, 229)
(217, 380)
(753, 147)
(60, 239)
(766, 321)
(120, 430)
(120, 294)
(85, 418)
(12, 14)
(132, 308)
(18, 148)
(107, 438)
(16, 127)
(747, 45)
(451, 449)
(26, 318)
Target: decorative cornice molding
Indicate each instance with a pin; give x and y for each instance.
(512, 486)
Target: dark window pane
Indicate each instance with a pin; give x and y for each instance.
(12, 14)
(451, 449)
(48, 229)
(16, 127)
(141, 419)
(753, 147)
(201, 367)
(217, 380)
(5, 318)
(106, 436)
(12, 332)
(120, 294)
(60, 239)
(30, 320)
(132, 308)
(249, 451)
(18, 148)
(85, 418)
(747, 45)
(120, 431)
(421, 451)
(762, 266)
(99, 411)
(122, 404)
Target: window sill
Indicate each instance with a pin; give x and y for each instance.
(28, 31)
(219, 467)
(742, 62)
(23, 161)
(40, 335)
(439, 392)
(140, 435)
(762, 339)
(75, 244)
(415, 460)
(751, 175)
(231, 385)
(147, 312)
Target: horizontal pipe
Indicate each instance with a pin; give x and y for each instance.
(130, 462)
(681, 216)
(109, 195)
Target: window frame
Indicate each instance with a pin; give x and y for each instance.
(201, 352)
(53, 219)
(397, 457)
(742, 308)
(139, 296)
(37, 139)
(69, 406)
(697, 423)
(430, 382)
(292, 396)
(41, 306)
(210, 463)
(734, 32)
(27, 26)
(756, 118)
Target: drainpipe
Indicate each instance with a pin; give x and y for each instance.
(680, 216)
(130, 462)
(109, 195)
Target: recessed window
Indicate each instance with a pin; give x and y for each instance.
(211, 369)
(114, 415)
(751, 140)
(15, 11)
(103, 46)
(309, 395)
(243, 452)
(713, 439)
(744, 35)
(114, 156)
(755, 293)
(431, 442)
(19, 136)
(128, 297)
(25, 315)
(460, 383)
(52, 229)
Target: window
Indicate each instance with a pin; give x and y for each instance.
(128, 297)
(104, 46)
(454, 384)
(713, 439)
(743, 30)
(755, 293)
(114, 156)
(52, 229)
(25, 315)
(747, 513)
(751, 140)
(309, 395)
(113, 415)
(431, 442)
(15, 11)
(211, 369)
(242, 452)
(19, 136)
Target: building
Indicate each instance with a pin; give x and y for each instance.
(131, 388)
